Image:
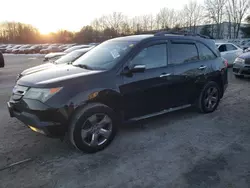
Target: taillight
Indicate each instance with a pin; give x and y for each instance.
(226, 63)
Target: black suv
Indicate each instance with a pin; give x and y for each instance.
(122, 79)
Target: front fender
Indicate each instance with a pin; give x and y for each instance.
(109, 97)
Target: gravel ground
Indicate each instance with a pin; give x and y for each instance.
(181, 149)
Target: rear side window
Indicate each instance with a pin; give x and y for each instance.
(205, 52)
(222, 48)
(230, 47)
(183, 53)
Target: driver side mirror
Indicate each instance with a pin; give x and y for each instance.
(128, 70)
(137, 68)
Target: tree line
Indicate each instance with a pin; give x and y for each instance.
(211, 14)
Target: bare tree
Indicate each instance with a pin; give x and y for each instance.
(180, 19)
(236, 10)
(147, 22)
(215, 11)
(165, 18)
(136, 24)
(114, 21)
(193, 14)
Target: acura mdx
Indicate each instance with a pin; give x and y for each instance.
(123, 79)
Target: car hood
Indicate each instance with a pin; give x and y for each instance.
(55, 76)
(245, 55)
(51, 55)
(37, 68)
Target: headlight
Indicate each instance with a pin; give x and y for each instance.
(18, 77)
(41, 94)
(239, 60)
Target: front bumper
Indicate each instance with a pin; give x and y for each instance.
(241, 69)
(39, 117)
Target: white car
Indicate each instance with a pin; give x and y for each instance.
(229, 51)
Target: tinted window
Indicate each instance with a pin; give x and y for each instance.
(222, 48)
(230, 47)
(183, 53)
(153, 57)
(205, 52)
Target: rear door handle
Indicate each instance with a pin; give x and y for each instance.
(202, 67)
(165, 75)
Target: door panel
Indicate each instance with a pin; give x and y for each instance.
(188, 80)
(146, 93)
(189, 71)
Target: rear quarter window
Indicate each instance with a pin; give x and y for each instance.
(205, 53)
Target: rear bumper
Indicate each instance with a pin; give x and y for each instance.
(241, 69)
(43, 121)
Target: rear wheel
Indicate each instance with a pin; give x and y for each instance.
(209, 98)
(93, 128)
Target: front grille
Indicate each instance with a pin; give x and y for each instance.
(18, 92)
(246, 72)
(236, 70)
(247, 61)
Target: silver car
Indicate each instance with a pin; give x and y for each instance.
(229, 51)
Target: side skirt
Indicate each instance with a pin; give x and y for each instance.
(160, 113)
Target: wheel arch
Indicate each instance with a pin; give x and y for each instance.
(108, 97)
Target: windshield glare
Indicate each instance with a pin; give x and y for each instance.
(70, 57)
(105, 55)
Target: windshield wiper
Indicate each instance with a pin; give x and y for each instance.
(83, 66)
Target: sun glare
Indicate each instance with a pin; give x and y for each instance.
(45, 31)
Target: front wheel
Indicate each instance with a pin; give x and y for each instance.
(93, 128)
(209, 97)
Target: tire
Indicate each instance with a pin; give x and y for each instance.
(83, 121)
(208, 103)
(238, 76)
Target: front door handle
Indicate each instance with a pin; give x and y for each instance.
(202, 67)
(165, 75)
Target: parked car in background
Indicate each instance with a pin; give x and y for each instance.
(13, 48)
(245, 45)
(22, 49)
(7, 47)
(76, 47)
(57, 55)
(3, 48)
(241, 66)
(66, 59)
(123, 79)
(33, 49)
(247, 50)
(1, 60)
(50, 49)
(229, 51)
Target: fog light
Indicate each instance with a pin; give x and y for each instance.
(36, 130)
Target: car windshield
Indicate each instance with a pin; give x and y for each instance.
(105, 56)
(70, 57)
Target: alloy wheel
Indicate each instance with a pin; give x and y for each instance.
(211, 98)
(96, 129)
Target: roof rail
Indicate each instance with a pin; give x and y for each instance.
(184, 33)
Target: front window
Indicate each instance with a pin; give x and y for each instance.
(105, 56)
(152, 57)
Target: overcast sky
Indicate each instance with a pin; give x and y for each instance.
(51, 15)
